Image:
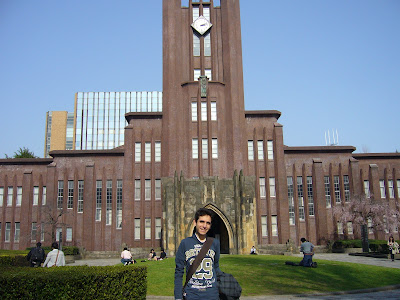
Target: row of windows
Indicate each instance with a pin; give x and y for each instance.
(260, 150)
(147, 228)
(18, 197)
(274, 226)
(272, 189)
(204, 148)
(185, 3)
(197, 74)
(203, 111)
(147, 151)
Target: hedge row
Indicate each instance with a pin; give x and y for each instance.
(13, 261)
(80, 282)
(68, 250)
(374, 245)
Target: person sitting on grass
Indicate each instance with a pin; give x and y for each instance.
(126, 257)
(308, 250)
(152, 255)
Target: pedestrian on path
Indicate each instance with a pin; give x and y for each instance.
(393, 247)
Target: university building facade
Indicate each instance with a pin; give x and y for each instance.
(202, 149)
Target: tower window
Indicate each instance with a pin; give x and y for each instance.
(197, 74)
(208, 74)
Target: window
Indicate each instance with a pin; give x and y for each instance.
(69, 234)
(206, 11)
(147, 228)
(33, 232)
(194, 111)
(195, 148)
(196, 11)
(157, 150)
(1, 196)
(250, 150)
(391, 188)
(19, 196)
(270, 150)
(204, 148)
(208, 73)
(382, 188)
(60, 194)
(138, 152)
(327, 191)
(196, 44)
(207, 45)
(291, 200)
(339, 228)
(58, 234)
(349, 228)
(300, 197)
(99, 191)
(346, 185)
(370, 227)
(336, 185)
(158, 228)
(80, 195)
(366, 189)
(272, 190)
(35, 195)
(70, 202)
(137, 189)
(260, 150)
(7, 234)
(118, 216)
(264, 226)
(108, 202)
(274, 225)
(17, 232)
(147, 189)
(137, 229)
(158, 189)
(10, 195)
(213, 111)
(147, 152)
(203, 111)
(42, 232)
(263, 192)
(44, 195)
(310, 196)
(196, 74)
(214, 148)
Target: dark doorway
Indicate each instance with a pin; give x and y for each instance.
(218, 230)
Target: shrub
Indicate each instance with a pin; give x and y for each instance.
(68, 250)
(13, 261)
(83, 282)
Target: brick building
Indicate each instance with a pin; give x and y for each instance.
(202, 150)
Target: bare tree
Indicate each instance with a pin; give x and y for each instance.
(52, 218)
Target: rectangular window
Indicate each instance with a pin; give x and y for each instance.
(138, 152)
(214, 148)
(264, 226)
(366, 189)
(35, 195)
(391, 189)
(108, 202)
(272, 189)
(33, 232)
(382, 188)
(119, 204)
(10, 195)
(270, 150)
(1, 196)
(58, 234)
(310, 196)
(291, 200)
(274, 225)
(327, 191)
(336, 185)
(207, 45)
(44, 196)
(263, 192)
(147, 228)
(157, 150)
(300, 196)
(203, 106)
(196, 11)
(196, 44)
(158, 189)
(147, 152)
(137, 229)
(80, 195)
(137, 189)
(204, 148)
(370, 227)
(339, 227)
(158, 228)
(346, 185)
(208, 73)
(213, 111)
(17, 232)
(195, 148)
(99, 192)
(70, 202)
(349, 228)
(42, 232)
(196, 74)
(7, 234)
(147, 189)
(19, 196)
(194, 111)
(398, 189)
(260, 150)
(69, 234)
(250, 150)
(60, 194)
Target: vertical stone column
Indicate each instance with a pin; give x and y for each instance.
(355, 180)
(26, 211)
(321, 225)
(89, 202)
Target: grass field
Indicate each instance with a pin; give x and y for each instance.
(268, 275)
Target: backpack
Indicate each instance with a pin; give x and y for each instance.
(37, 254)
(229, 288)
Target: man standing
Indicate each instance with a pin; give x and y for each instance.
(55, 258)
(203, 284)
(36, 255)
(308, 250)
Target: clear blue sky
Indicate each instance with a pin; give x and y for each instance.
(332, 64)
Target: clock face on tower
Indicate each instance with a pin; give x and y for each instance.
(201, 25)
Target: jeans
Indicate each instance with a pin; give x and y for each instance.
(307, 260)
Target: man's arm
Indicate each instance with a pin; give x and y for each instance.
(179, 269)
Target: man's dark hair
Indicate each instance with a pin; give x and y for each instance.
(54, 245)
(38, 244)
(203, 212)
(302, 240)
(125, 248)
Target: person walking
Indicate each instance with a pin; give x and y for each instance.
(55, 258)
(36, 255)
(393, 247)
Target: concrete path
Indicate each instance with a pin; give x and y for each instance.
(387, 293)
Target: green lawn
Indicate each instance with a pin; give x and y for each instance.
(268, 275)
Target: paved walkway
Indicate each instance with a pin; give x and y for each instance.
(387, 293)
